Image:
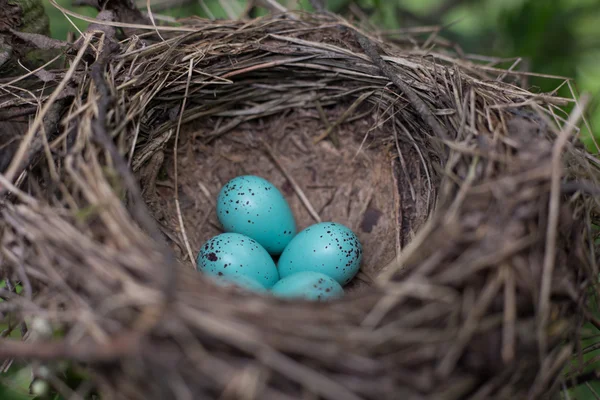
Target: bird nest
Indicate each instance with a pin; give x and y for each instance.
(472, 199)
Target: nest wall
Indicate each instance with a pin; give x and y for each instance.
(488, 260)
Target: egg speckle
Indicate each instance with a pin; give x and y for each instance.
(328, 247)
(231, 255)
(254, 207)
(308, 285)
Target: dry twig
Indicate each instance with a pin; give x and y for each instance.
(493, 217)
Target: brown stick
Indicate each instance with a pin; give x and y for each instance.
(370, 49)
(138, 208)
(552, 231)
(19, 159)
(309, 207)
(120, 346)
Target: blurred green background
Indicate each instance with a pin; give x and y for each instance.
(555, 37)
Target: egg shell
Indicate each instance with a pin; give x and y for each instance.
(327, 247)
(308, 285)
(231, 255)
(254, 207)
(241, 281)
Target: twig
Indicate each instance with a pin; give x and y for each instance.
(160, 6)
(422, 109)
(17, 161)
(7, 185)
(273, 6)
(413, 193)
(552, 231)
(16, 112)
(469, 326)
(151, 17)
(592, 391)
(290, 178)
(335, 139)
(138, 209)
(206, 193)
(118, 24)
(510, 315)
(175, 172)
(40, 41)
(207, 10)
(344, 116)
(116, 348)
(30, 73)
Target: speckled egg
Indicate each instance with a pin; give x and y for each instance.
(232, 255)
(327, 247)
(252, 206)
(240, 281)
(308, 285)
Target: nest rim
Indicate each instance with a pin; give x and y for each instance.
(378, 319)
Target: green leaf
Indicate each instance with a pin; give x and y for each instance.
(15, 385)
(60, 25)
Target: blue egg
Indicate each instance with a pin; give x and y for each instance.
(252, 206)
(327, 247)
(231, 255)
(308, 285)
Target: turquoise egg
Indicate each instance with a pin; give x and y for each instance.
(252, 206)
(241, 281)
(327, 247)
(231, 255)
(308, 285)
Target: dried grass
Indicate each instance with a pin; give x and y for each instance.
(494, 216)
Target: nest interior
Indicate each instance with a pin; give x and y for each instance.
(483, 230)
(352, 178)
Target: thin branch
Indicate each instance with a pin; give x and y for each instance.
(19, 157)
(295, 185)
(552, 231)
(138, 209)
(175, 162)
(273, 6)
(422, 109)
(116, 348)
